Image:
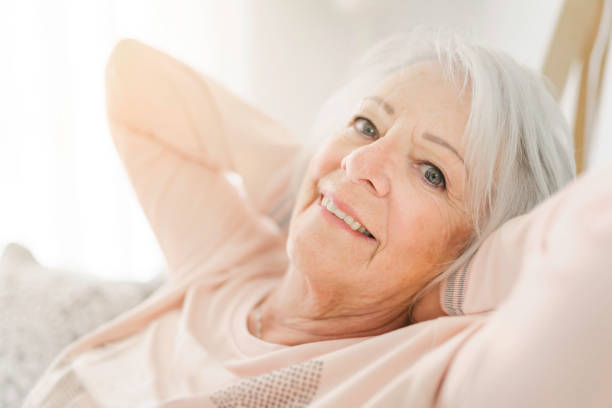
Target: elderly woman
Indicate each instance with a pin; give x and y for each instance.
(384, 287)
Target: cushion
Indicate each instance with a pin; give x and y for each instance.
(42, 310)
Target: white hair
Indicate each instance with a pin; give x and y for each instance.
(518, 146)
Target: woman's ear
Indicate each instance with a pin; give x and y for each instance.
(428, 307)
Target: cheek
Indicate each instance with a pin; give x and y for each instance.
(329, 157)
(426, 232)
(308, 188)
(325, 161)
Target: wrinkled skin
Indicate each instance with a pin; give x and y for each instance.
(404, 188)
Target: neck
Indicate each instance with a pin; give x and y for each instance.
(297, 312)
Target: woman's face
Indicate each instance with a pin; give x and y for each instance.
(396, 169)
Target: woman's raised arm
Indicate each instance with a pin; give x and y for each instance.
(178, 133)
(548, 344)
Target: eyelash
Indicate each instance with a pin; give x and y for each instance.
(358, 118)
(441, 186)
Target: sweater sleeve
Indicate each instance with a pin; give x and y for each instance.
(548, 342)
(489, 275)
(179, 133)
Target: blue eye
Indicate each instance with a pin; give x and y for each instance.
(365, 127)
(433, 175)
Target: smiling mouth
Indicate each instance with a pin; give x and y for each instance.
(355, 226)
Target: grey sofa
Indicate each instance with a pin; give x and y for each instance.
(42, 310)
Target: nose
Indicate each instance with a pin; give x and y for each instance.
(368, 165)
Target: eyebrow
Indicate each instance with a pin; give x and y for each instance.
(442, 142)
(382, 103)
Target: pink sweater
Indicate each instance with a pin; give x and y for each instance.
(532, 325)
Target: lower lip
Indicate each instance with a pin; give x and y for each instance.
(337, 221)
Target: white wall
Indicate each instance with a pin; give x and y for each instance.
(300, 50)
(600, 147)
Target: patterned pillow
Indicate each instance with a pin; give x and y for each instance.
(42, 310)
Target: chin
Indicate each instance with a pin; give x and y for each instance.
(306, 248)
(314, 251)
(302, 245)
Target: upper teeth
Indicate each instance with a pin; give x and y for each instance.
(328, 203)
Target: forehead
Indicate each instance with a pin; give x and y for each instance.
(423, 93)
